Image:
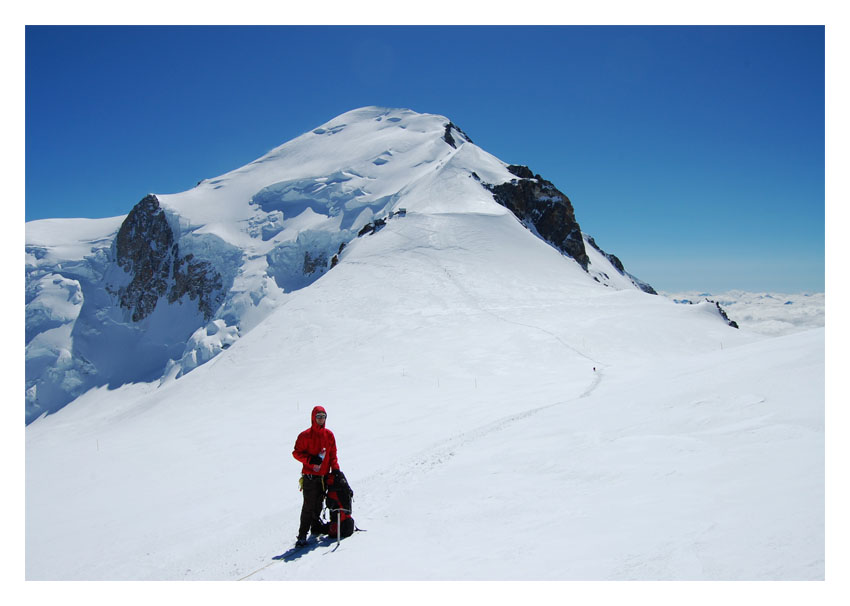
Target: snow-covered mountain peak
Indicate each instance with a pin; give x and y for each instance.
(350, 169)
(186, 274)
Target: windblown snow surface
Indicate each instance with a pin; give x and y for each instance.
(499, 414)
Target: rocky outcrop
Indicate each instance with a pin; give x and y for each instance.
(723, 315)
(314, 262)
(540, 206)
(448, 138)
(199, 281)
(145, 248)
(618, 265)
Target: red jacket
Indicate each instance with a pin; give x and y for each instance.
(310, 442)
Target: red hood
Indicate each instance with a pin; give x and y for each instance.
(313, 423)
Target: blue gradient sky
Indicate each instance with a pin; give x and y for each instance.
(695, 154)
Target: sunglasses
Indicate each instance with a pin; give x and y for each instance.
(321, 416)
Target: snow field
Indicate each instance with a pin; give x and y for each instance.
(455, 356)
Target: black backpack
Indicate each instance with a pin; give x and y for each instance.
(338, 502)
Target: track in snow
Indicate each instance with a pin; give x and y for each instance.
(408, 471)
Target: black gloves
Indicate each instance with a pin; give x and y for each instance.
(315, 460)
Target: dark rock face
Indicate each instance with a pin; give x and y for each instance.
(538, 204)
(448, 138)
(197, 279)
(314, 263)
(371, 228)
(523, 172)
(145, 248)
(542, 207)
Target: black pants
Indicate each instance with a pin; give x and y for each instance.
(313, 489)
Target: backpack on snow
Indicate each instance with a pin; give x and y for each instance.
(338, 501)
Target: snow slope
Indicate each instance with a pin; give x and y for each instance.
(499, 414)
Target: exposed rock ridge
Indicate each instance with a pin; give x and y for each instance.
(618, 265)
(448, 138)
(723, 315)
(539, 205)
(146, 249)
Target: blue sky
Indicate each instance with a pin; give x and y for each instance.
(695, 154)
